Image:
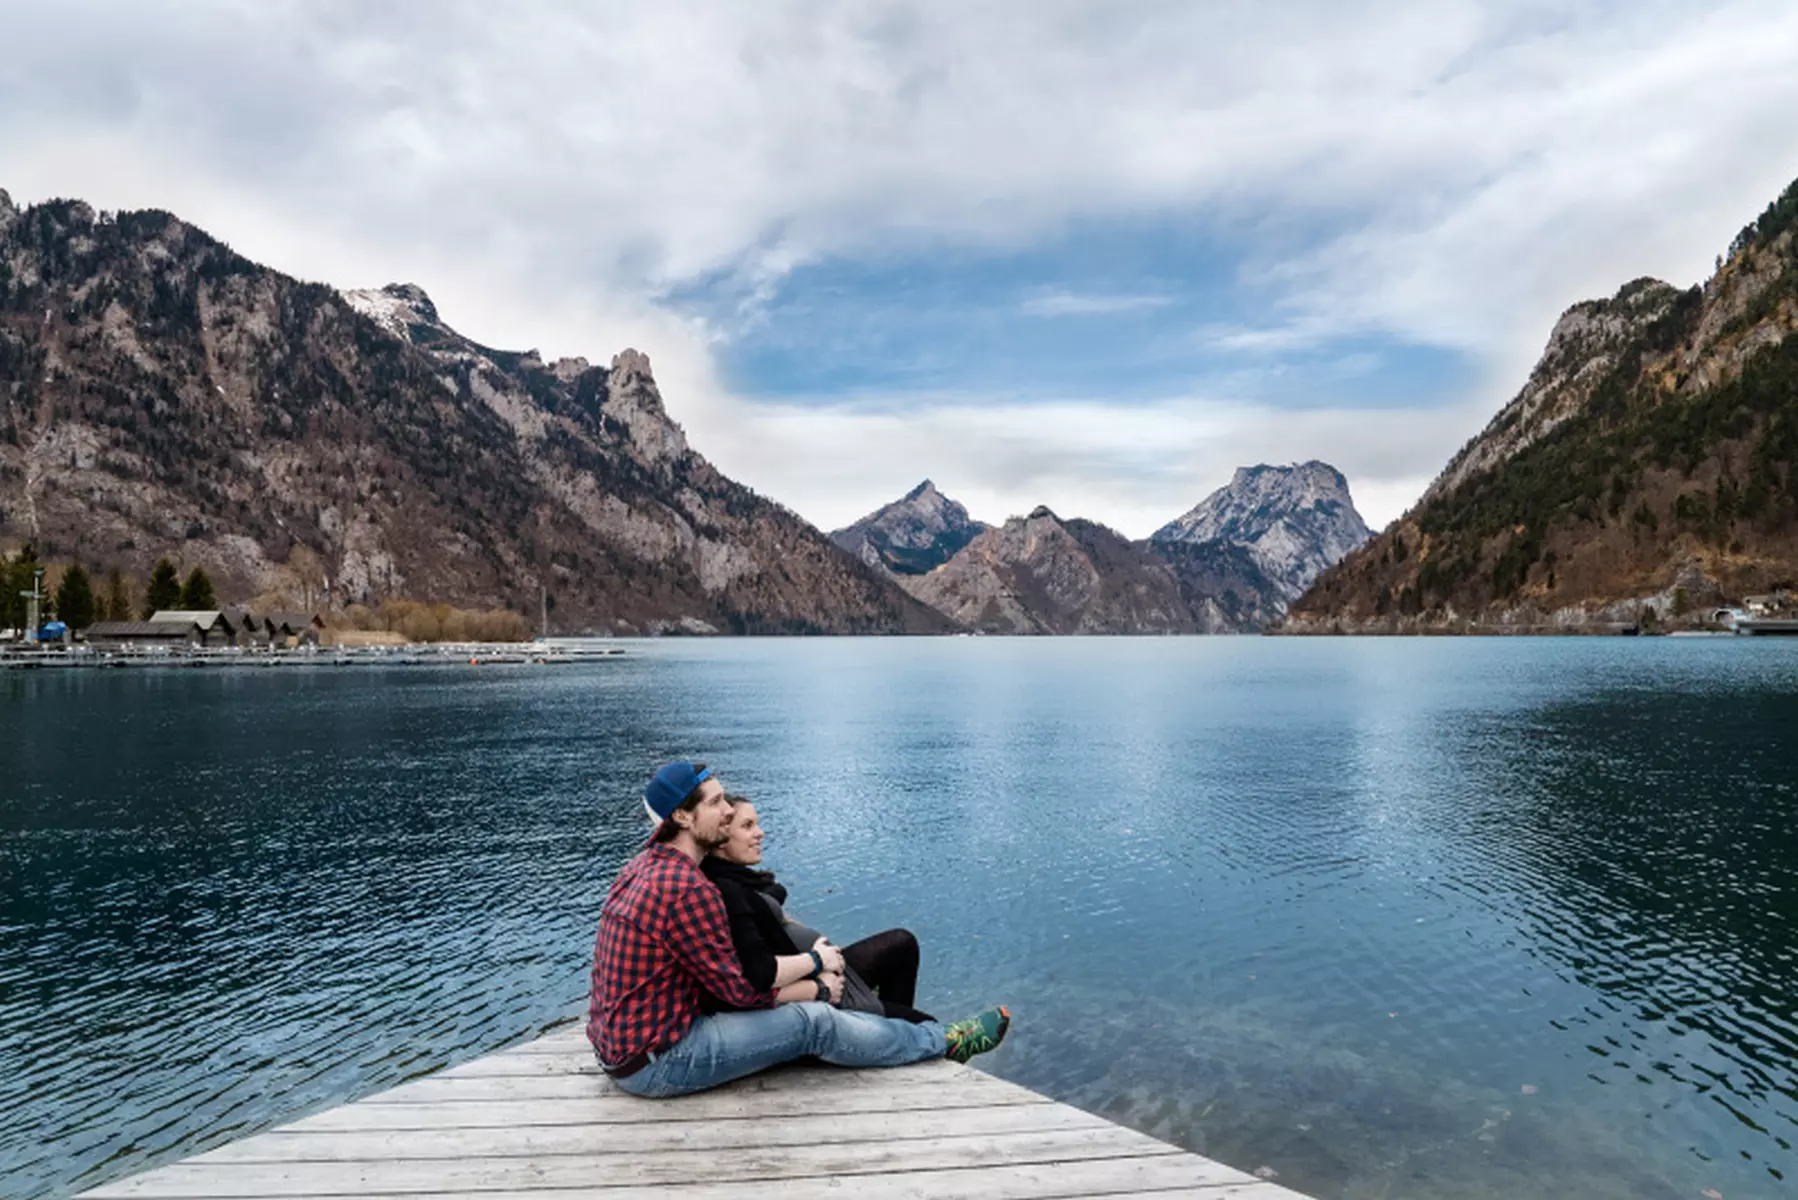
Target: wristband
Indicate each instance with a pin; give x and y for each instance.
(823, 992)
(817, 964)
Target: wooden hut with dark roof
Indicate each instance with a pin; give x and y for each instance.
(295, 628)
(252, 632)
(215, 629)
(122, 635)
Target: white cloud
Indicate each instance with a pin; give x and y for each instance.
(1274, 339)
(550, 171)
(1089, 304)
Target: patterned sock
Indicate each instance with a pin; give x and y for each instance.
(977, 1034)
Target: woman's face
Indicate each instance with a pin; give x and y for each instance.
(743, 841)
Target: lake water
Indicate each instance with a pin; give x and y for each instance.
(1394, 918)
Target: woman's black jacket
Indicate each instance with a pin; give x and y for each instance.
(756, 927)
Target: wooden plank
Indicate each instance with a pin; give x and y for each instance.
(572, 1087)
(198, 1181)
(743, 1133)
(572, 1031)
(1256, 1190)
(1182, 1175)
(517, 1062)
(526, 1066)
(554, 1043)
(1102, 1178)
(619, 1108)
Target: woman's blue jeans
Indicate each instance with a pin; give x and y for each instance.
(730, 1045)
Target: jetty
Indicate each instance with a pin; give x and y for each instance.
(233, 659)
(1767, 626)
(541, 1120)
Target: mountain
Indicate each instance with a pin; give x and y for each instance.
(1646, 469)
(160, 393)
(1294, 522)
(1223, 584)
(1042, 575)
(913, 535)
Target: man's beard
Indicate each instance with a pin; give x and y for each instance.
(715, 842)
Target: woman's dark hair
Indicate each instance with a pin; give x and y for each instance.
(667, 829)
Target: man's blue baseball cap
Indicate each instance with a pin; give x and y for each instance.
(669, 786)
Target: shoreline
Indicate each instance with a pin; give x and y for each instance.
(232, 659)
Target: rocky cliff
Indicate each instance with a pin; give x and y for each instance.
(162, 394)
(1042, 575)
(1645, 470)
(913, 535)
(1293, 521)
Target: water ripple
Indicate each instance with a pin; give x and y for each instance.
(1425, 919)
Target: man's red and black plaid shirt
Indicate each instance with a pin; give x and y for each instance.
(663, 937)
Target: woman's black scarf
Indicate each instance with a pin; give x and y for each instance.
(719, 871)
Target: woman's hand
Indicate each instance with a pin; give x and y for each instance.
(833, 958)
(830, 985)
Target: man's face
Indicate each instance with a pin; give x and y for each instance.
(711, 817)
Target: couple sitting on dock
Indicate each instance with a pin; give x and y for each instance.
(699, 978)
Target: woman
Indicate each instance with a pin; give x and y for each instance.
(878, 974)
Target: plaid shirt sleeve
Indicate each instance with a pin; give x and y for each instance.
(698, 933)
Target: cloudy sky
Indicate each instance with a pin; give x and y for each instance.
(1089, 255)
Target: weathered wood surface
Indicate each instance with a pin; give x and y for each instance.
(540, 1120)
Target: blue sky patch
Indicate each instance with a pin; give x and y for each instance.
(1126, 312)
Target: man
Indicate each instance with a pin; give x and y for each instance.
(663, 938)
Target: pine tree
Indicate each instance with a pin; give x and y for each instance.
(196, 593)
(116, 604)
(10, 602)
(164, 590)
(75, 599)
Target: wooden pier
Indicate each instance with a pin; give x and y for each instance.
(541, 1121)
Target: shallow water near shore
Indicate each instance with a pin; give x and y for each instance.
(1394, 918)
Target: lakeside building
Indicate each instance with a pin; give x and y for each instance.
(253, 632)
(242, 629)
(120, 635)
(1761, 606)
(294, 628)
(214, 629)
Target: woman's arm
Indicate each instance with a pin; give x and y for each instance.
(791, 968)
(765, 969)
(760, 965)
(826, 987)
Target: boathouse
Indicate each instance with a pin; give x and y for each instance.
(214, 629)
(252, 631)
(294, 628)
(119, 635)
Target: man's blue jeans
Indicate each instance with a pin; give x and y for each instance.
(730, 1045)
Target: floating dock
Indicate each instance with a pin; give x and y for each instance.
(1767, 626)
(522, 654)
(540, 1120)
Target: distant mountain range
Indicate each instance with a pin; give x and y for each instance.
(161, 394)
(1229, 565)
(1648, 469)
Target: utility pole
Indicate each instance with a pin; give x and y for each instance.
(31, 605)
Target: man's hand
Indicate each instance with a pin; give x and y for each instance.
(832, 983)
(833, 958)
